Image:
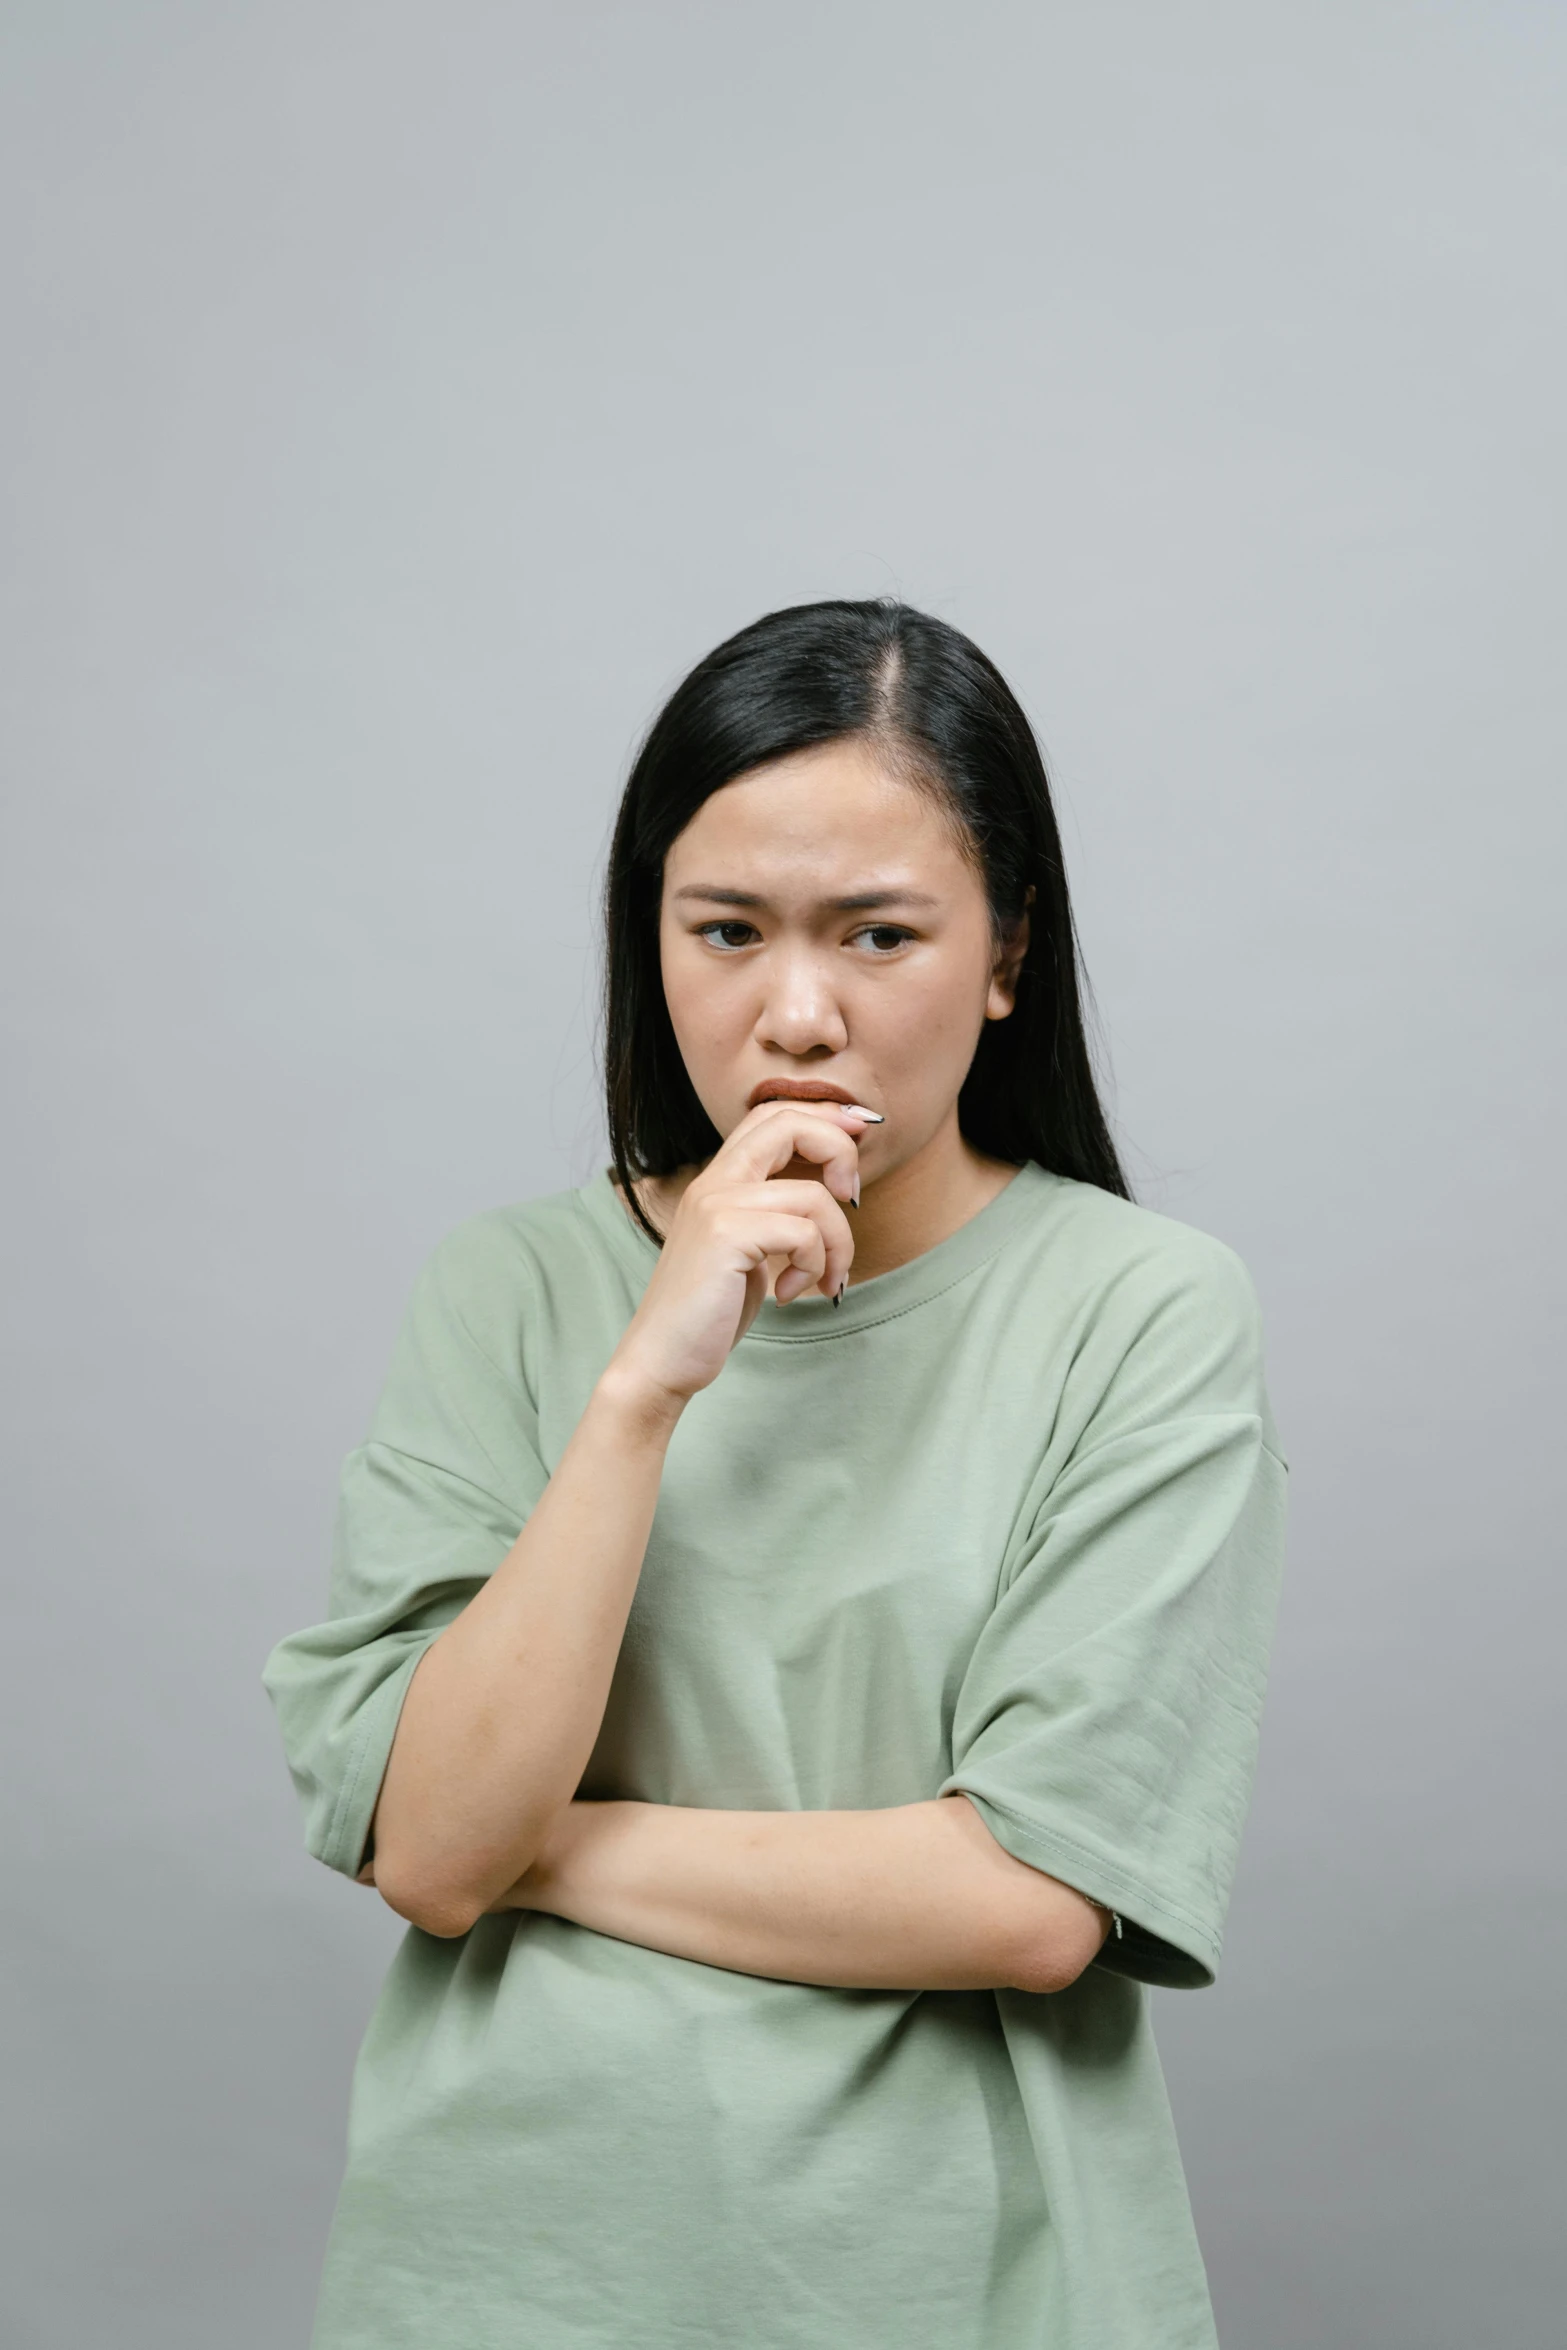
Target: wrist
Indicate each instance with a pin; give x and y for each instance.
(640, 1410)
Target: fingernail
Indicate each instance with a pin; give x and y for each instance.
(858, 1110)
(855, 1197)
(836, 1295)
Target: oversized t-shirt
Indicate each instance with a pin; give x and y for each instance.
(1007, 1521)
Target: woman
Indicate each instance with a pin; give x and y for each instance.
(799, 1621)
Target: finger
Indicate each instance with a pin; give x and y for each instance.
(801, 1196)
(796, 1240)
(825, 1133)
(790, 1195)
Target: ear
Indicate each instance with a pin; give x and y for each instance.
(1009, 962)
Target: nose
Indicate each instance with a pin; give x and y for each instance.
(800, 1012)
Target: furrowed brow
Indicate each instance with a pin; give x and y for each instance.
(862, 902)
(713, 896)
(869, 898)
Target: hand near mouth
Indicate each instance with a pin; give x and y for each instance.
(796, 1089)
(808, 1089)
(743, 1209)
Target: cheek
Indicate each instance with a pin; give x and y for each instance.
(938, 1016)
(702, 1010)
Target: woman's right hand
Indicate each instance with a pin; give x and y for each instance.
(711, 1274)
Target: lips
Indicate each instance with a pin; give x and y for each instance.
(798, 1089)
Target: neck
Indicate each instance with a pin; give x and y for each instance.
(923, 1201)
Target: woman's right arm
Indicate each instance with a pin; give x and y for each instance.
(504, 1707)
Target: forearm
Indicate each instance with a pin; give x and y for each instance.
(915, 1897)
(503, 1708)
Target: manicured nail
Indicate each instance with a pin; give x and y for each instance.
(854, 1199)
(858, 1110)
(836, 1295)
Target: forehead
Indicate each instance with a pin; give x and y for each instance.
(824, 814)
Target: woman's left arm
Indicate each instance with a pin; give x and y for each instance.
(918, 1897)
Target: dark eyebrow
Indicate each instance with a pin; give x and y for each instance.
(863, 902)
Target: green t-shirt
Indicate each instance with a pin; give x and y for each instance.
(1009, 1520)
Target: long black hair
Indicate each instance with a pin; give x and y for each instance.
(818, 673)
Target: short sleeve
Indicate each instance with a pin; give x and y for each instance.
(427, 1508)
(1107, 1723)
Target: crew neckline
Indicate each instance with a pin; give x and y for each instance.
(865, 1303)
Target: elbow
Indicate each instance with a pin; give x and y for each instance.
(1039, 1932)
(1052, 1957)
(442, 1891)
(443, 1910)
(448, 1921)
(1043, 1970)
(430, 1884)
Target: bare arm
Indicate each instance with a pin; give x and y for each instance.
(505, 1705)
(917, 1897)
(503, 1709)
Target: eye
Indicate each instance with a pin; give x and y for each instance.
(706, 929)
(888, 936)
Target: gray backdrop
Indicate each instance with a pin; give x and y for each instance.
(399, 399)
